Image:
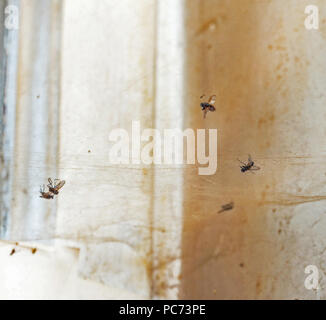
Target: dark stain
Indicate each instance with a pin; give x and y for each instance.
(270, 118)
(210, 24)
(258, 286)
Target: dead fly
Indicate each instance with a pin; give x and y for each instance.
(208, 106)
(45, 195)
(33, 250)
(56, 186)
(226, 207)
(248, 166)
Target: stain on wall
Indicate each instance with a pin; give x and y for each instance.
(258, 58)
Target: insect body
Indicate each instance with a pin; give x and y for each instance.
(248, 166)
(56, 186)
(226, 207)
(208, 106)
(45, 195)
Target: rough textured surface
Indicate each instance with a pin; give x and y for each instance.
(49, 273)
(107, 81)
(267, 71)
(128, 231)
(35, 129)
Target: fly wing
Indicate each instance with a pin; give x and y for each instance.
(255, 168)
(228, 206)
(212, 99)
(242, 162)
(50, 182)
(60, 184)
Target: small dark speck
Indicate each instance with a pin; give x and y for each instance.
(89, 151)
(12, 251)
(241, 264)
(38, 96)
(34, 250)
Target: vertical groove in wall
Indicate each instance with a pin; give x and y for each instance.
(151, 275)
(60, 5)
(226, 57)
(54, 73)
(3, 177)
(3, 209)
(8, 61)
(168, 179)
(36, 119)
(107, 79)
